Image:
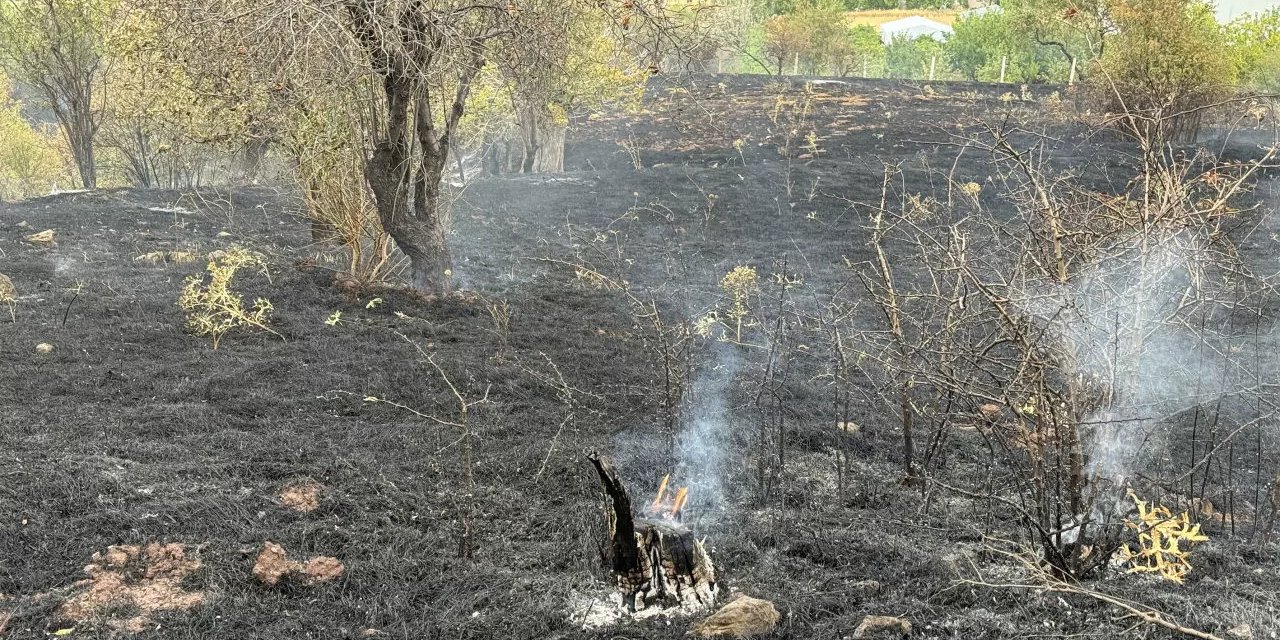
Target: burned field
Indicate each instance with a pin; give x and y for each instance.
(697, 297)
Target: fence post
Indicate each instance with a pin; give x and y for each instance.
(795, 66)
(1071, 79)
(1004, 64)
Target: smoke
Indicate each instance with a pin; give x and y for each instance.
(704, 439)
(1124, 322)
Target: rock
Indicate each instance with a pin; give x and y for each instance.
(129, 585)
(42, 239)
(301, 495)
(8, 292)
(323, 569)
(1241, 631)
(849, 427)
(273, 564)
(886, 626)
(44, 347)
(741, 618)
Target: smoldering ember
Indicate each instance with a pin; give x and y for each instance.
(561, 319)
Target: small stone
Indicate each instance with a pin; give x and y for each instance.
(1242, 631)
(882, 625)
(323, 569)
(44, 347)
(743, 617)
(272, 564)
(8, 292)
(301, 495)
(224, 234)
(41, 239)
(849, 427)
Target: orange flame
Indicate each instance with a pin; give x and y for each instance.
(668, 506)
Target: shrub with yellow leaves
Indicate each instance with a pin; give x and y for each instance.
(741, 285)
(1164, 541)
(213, 308)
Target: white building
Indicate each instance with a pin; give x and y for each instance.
(973, 12)
(913, 27)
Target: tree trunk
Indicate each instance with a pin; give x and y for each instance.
(411, 151)
(543, 141)
(657, 562)
(249, 160)
(413, 220)
(80, 139)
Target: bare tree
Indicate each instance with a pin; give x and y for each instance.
(1063, 333)
(58, 47)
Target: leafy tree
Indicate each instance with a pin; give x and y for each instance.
(982, 43)
(1075, 29)
(910, 57)
(58, 47)
(579, 67)
(817, 38)
(827, 37)
(402, 74)
(160, 124)
(784, 41)
(866, 49)
(29, 158)
(714, 32)
(1163, 65)
(1255, 49)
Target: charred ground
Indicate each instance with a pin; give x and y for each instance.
(132, 431)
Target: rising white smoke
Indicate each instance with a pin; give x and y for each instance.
(1121, 320)
(703, 445)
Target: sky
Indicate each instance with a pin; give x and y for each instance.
(1229, 9)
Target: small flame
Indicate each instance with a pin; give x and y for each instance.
(668, 505)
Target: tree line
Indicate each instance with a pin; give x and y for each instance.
(373, 104)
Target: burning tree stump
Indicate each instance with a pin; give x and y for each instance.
(655, 559)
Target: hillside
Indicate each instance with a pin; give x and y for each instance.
(133, 432)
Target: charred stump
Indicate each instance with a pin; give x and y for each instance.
(656, 561)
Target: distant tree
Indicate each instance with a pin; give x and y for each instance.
(784, 41)
(1255, 49)
(983, 43)
(909, 58)
(818, 39)
(579, 66)
(866, 49)
(826, 35)
(1075, 29)
(29, 158)
(59, 48)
